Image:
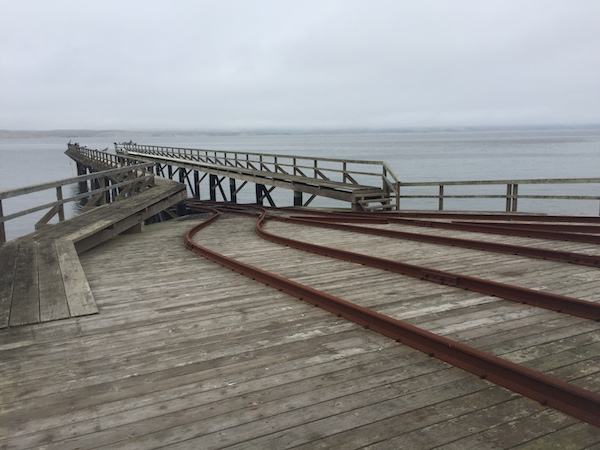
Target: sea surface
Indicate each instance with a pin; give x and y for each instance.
(415, 156)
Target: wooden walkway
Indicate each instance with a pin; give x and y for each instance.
(41, 278)
(187, 354)
(366, 185)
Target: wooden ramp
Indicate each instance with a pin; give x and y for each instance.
(41, 278)
(366, 185)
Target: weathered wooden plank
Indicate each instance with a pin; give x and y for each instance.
(504, 436)
(53, 299)
(577, 436)
(25, 307)
(188, 348)
(79, 295)
(376, 429)
(8, 264)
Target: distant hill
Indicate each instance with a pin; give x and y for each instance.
(67, 134)
(75, 134)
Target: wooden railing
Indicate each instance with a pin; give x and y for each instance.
(102, 157)
(508, 190)
(133, 177)
(378, 174)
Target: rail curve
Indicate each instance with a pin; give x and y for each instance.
(568, 398)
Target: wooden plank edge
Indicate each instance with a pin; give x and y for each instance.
(79, 295)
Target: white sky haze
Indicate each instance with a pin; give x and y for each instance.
(230, 65)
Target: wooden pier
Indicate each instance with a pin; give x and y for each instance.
(185, 353)
(365, 185)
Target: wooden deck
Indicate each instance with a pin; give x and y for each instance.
(187, 354)
(41, 278)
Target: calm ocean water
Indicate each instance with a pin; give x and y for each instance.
(431, 156)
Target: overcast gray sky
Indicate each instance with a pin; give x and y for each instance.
(227, 64)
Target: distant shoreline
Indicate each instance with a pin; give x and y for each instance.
(86, 133)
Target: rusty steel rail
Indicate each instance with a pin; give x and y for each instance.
(531, 252)
(546, 300)
(503, 217)
(556, 393)
(417, 219)
(498, 229)
(542, 226)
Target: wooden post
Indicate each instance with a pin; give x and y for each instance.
(196, 184)
(2, 230)
(297, 198)
(103, 181)
(170, 171)
(508, 197)
(515, 191)
(212, 182)
(441, 199)
(107, 193)
(259, 194)
(61, 207)
(232, 190)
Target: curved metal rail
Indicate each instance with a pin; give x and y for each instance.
(501, 224)
(532, 252)
(546, 300)
(556, 393)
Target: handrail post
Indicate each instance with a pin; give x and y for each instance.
(441, 198)
(508, 196)
(515, 197)
(61, 207)
(2, 230)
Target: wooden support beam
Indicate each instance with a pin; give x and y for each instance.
(221, 188)
(212, 182)
(2, 229)
(262, 192)
(232, 190)
(312, 197)
(196, 188)
(259, 191)
(240, 188)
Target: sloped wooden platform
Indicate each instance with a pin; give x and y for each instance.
(41, 278)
